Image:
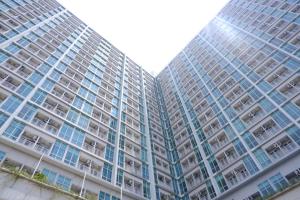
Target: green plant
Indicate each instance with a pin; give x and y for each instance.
(40, 177)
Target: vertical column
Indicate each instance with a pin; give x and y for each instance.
(116, 156)
(214, 183)
(148, 138)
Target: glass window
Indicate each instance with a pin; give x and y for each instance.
(213, 164)
(73, 115)
(87, 107)
(72, 156)
(63, 182)
(239, 147)
(36, 77)
(262, 158)
(294, 132)
(51, 175)
(25, 89)
(27, 112)
(281, 119)
(221, 183)
(78, 102)
(14, 130)
(58, 150)
(83, 121)
(250, 140)
(292, 110)
(250, 164)
(39, 96)
(107, 171)
(78, 137)
(47, 85)
(265, 189)
(3, 118)
(11, 104)
(238, 124)
(66, 131)
(279, 182)
(266, 105)
(109, 152)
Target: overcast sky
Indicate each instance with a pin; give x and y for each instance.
(150, 32)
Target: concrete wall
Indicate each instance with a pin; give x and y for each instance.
(14, 187)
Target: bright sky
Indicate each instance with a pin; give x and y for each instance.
(150, 32)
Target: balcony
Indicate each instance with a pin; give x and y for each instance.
(202, 195)
(11, 83)
(90, 167)
(44, 122)
(265, 131)
(291, 88)
(279, 76)
(236, 176)
(194, 180)
(243, 104)
(35, 142)
(219, 142)
(227, 158)
(133, 185)
(189, 163)
(281, 148)
(254, 116)
(94, 147)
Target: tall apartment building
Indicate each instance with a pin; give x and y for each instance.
(221, 121)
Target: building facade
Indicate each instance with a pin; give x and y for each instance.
(221, 121)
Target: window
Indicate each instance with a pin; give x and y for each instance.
(266, 105)
(72, 156)
(3, 118)
(83, 121)
(35, 77)
(281, 119)
(146, 189)
(107, 171)
(11, 104)
(262, 157)
(111, 136)
(14, 130)
(238, 124)
(294, 132)
(213, 164)
(266, 189)
(39, 96)
(63, 182)
(51, 175)
(221, 183)
(104, 196)
(279, 182)
(121, 159)
(249, 139)
(66, 131)
(58, 150)
(27, 112)
(144, 154)
(25, 89)
(87, 107)
(2, 155)
(239, 147)
(120, 177)
(292, 110)
(73, 115)
(250, 164)
(47, 85)
(78, 102)
(78, 137)
(145, 171)
(109, 152)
